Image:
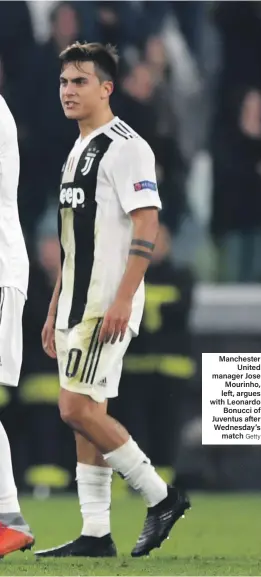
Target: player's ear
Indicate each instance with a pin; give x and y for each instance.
(107, 89)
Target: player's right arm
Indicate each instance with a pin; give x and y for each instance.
(48, 340)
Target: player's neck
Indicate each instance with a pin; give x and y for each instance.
(88, 125)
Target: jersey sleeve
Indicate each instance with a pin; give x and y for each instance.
(134, 176)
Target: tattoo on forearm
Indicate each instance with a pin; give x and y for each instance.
(144, 243)
(142, 253)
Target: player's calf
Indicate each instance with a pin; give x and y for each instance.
(86, 416)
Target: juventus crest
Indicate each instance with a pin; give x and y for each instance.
(89, 159)
(81, 168)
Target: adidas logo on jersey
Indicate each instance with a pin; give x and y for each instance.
(72, 196)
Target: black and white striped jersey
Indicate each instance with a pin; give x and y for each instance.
(106, 176)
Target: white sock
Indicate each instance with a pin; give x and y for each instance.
(94, 492)
(8, 492)
(136, 468)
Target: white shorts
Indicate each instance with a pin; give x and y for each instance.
(11, 335)
(87, 367)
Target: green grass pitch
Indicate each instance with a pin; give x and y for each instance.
(221, 535)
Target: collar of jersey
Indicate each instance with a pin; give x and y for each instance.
(94, 133)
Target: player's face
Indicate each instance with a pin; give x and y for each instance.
(81, 91)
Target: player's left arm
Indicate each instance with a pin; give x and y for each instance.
(145, 229)
(139, 199)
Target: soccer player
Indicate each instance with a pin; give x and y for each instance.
(108, 222)
(14, 271)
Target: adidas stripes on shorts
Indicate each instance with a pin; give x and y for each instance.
(85, 365)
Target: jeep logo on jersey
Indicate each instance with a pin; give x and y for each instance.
(89, 159)
(73, 196)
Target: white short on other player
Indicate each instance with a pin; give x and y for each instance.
(11, 336)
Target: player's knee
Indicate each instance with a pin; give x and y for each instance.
(76, 410)
(68, 415)
(69, 407)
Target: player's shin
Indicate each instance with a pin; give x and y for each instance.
(8, 492)
(94, 492)
(137, 470)
(94, 478)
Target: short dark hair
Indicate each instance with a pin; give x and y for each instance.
(104, 57)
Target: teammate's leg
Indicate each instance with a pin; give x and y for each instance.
(8, 491)
(15, 534)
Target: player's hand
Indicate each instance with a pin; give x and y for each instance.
(48, 341)
(115, 321)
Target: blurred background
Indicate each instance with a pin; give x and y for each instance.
(190, 84)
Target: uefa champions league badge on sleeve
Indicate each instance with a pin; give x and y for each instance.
(145, 185)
